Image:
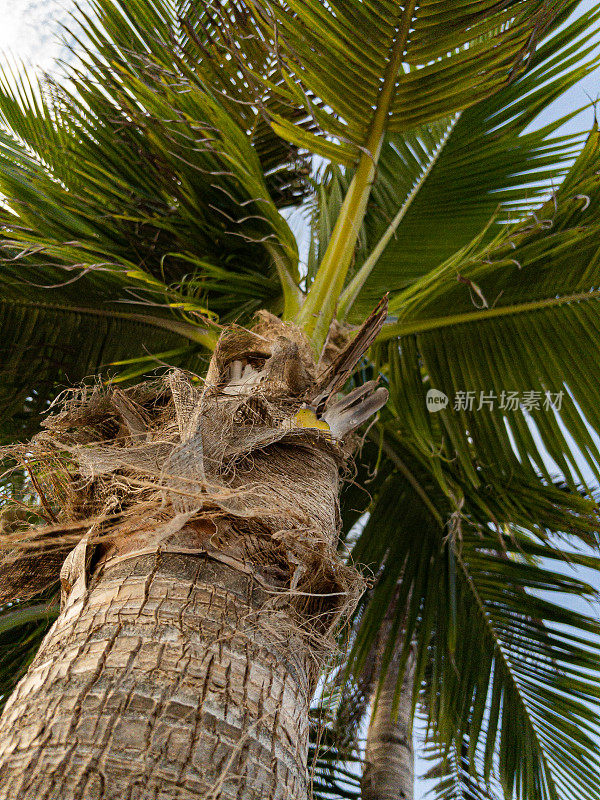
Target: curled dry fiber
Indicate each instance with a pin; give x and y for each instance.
(202, 590)
(259, 491)
(129, 470)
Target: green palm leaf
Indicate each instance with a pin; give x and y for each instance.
(22, 628)
(451, 176)
(47, 346)
(424, 63)
(146, 171)
(198, 39)
(350, 64)
(528, 702)
(541, 279)
(453, 780)
(136, 206)
(64, 313)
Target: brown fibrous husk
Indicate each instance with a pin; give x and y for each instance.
(145, 462)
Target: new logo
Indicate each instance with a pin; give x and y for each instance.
(436, 400)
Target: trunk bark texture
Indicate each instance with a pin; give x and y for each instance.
(168, 679)
(388, 772)
(193, 627)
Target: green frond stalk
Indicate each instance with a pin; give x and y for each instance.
(207, 337)
(352, 290)
(293, 296)
(397, 329)
(319, 307)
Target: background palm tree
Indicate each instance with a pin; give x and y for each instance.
(143, 210)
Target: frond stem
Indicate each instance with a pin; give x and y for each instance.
(434, 323)
(292, 294)
(319, 307)
(351, 291)
(207, 338)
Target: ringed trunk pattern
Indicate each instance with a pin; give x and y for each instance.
(168, 679)
(388, 772)
(204, 592)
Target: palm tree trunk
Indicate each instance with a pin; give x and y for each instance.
(388, 772)
(168, 678)
(185, 657)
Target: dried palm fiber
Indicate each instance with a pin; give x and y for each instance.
(226, 458)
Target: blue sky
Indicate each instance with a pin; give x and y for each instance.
(579, 95)
(28, 29)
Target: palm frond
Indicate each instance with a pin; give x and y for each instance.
(136, 207)
(520, 307)
(453, 175)
(136, 165)
(48, 346)
(22, 628)
(335, 774)
(453, 779)
(202, 41)
(395, 81)
(348, 64)
(468, 577)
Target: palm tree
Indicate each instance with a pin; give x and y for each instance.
(195, 523)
